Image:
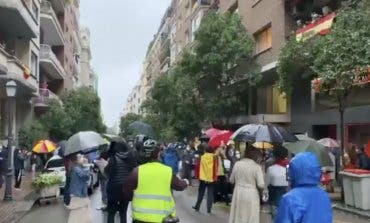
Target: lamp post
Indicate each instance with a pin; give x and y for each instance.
(11, 90)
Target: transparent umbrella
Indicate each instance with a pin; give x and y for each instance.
(84, 142)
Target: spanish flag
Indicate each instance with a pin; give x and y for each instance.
(208, 168)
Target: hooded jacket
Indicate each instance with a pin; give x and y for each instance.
(306, 202)
(120, 164)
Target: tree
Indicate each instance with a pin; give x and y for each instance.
(344, 58)
(125, 122)
(338, 60)
(29, 135)
(84, 109)
(57, 122)
(222, 45)
(194, 90)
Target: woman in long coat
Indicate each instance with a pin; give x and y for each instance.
(248, 178)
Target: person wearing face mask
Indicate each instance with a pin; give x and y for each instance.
(80, 211)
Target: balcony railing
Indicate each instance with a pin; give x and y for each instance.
(46, 8)
(47, 54)
(44, 98)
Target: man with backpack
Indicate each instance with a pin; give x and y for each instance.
(170, 158)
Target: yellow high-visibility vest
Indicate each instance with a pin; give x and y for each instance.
(153, 200)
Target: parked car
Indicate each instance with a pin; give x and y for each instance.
(93, 182)
(55, 164)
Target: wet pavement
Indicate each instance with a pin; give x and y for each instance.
(56, 212)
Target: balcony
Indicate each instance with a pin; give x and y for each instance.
(16, 19)
(42, 102)
(12, 68)
(200, 3)
(58, 5)
(52, 31)
(50, 63)
(3, 61)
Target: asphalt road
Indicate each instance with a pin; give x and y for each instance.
(56, 213)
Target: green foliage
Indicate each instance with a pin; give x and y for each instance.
(295, 60)
(83, 108)
(29, 135)
(194, 90)
(344, 54)
(79, 111)
(57, 122)
(337, 58)
(125, 122)
(45, 180)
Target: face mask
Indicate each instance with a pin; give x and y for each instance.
(237, 155)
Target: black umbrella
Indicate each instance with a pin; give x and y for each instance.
(263, 133)
(140, 127)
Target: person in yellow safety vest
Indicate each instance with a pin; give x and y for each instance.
(149, 186)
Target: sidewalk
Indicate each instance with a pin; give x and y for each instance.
(13, 211)
(352, 210)
(337, 204)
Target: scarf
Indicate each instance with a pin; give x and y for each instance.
(282, 162)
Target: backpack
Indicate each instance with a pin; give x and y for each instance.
(171, 159)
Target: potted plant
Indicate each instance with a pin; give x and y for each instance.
(47, 184)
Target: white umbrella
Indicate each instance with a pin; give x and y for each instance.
(84, 142)
(329, 143)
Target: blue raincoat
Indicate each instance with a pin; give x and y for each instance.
(306, 202)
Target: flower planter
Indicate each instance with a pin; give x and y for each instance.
(49, 191)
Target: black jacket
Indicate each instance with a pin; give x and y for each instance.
(120, 165)
(19, 159)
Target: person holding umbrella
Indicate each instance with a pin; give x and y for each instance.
(247, 176)
(80, 211)
(276, 179)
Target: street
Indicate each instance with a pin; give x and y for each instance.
(56, 212)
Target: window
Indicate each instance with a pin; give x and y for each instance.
(34, 64)
(263, 40)
(35, 10)
(271, 101)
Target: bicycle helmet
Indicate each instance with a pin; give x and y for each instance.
(150, 147)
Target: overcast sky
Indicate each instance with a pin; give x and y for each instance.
(120, 33)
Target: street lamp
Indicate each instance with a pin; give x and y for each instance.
(11, 91)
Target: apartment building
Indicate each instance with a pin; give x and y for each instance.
(60, 50)
(93, 80)
(85, 57)
(270, 23)
(133, 102)
(19, 56)
(175, 33)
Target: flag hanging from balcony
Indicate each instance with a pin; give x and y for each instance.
(321, 26)
(26, 72)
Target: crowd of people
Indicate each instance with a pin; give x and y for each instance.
(126, 175)
(242, 179)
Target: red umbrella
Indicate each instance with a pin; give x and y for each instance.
(211, 132)
(223, 136)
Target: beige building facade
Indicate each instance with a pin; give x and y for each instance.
(40, 49)
(175, 33)
(19, 55)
